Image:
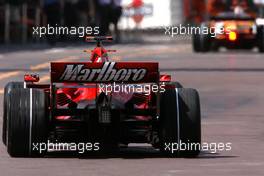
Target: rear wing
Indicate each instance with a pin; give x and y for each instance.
(99, 38)
(107, 72)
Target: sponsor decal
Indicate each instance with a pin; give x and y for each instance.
(108, 72)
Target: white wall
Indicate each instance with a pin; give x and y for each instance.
(161, 15)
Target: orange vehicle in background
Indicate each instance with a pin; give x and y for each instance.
(233, 24)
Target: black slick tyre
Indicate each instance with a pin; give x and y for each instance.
(180, 123)
(10, 86)
(27, 123)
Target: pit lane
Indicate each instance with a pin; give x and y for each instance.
(231, 88)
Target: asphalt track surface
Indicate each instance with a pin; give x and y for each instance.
(231, 86)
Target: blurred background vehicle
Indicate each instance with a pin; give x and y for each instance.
(17, 17)
(235, 25)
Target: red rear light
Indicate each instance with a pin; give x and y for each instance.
(232, 36)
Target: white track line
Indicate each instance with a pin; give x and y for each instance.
(8, 74)
(54, 50)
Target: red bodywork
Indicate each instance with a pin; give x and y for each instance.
(89, 88)
(76, 84)
(98, 55)
(76, 89)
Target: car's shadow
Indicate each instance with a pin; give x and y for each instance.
(132, 153)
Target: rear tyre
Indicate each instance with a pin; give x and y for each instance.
(180, 123)
(27, 123)
(178, 85)
(8, 88)
(196, 43)
(201, 42)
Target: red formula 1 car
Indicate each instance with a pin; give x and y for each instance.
(101, 104)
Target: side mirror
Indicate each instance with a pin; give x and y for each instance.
(31, 78)
(165, 78)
